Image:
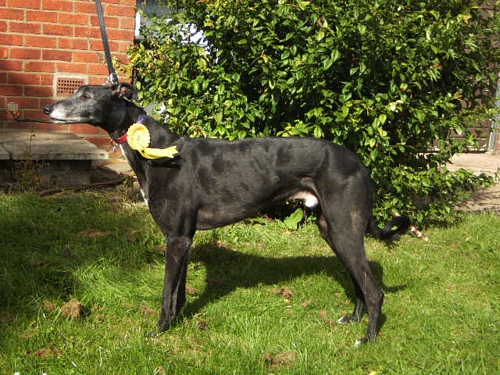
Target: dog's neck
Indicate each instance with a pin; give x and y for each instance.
(159, 133)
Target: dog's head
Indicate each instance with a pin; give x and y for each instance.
(103, 106)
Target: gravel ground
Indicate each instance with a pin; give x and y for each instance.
(487, 199)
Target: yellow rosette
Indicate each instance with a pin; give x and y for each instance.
(139, 139)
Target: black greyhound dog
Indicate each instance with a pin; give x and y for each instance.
(212, 183)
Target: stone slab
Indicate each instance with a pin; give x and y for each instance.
(44, 145)
(50, 158)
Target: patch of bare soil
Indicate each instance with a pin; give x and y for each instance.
(73, 309)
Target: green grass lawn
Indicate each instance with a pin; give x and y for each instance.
(81, 280)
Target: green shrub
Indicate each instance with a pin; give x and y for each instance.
(389, 79)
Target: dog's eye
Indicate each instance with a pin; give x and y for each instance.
(86, 95)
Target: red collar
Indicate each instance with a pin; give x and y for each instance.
(121, 139)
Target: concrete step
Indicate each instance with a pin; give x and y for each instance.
(57, 158)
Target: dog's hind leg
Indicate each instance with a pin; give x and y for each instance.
(368, 295)
(347, 241)
(174, 292)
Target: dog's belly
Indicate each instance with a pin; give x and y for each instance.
(210, 217)
(213, 217)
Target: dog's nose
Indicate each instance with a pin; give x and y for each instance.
(47, 109)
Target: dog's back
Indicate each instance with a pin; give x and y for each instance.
(229, 181)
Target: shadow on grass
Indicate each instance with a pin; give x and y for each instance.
(228, 270)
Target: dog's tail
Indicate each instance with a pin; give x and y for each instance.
(398, 225)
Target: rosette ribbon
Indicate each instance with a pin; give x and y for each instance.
(139, 139)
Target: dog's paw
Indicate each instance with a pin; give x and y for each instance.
(360, 342)
(344, 320)
(348, 319)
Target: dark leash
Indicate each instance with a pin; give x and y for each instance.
(13, 108)
(113, 77)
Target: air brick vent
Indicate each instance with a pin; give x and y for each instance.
(66, 86)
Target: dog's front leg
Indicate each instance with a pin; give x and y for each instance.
(174, 292)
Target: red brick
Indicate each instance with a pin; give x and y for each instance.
(25, 53)
(86, 56)
(25, 27)
(99, 79)
(25, 4)
(127, 23)
(96, 45)
(120, 10)
(4, 52)
(11, 90)
(12, 65)
(73, 43)
(40, 41)
(113, 22)
(83, 129)
(57, 55)
(3, 26)
(110, 22)
(11, 14)
(21, 78)
(12, 39)
(87, 32)
(54, 29)
(39, 66)
(41, 16)
(87, 7)
(117, 34)
(62, 5)
(73, 19)
(37, 91)
(27, 78)
(3, 77)
(100, 69)
(47, 78)
(67, 67)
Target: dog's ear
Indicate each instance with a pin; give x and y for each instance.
(124, 91)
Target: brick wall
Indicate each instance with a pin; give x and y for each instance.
(46, 41)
